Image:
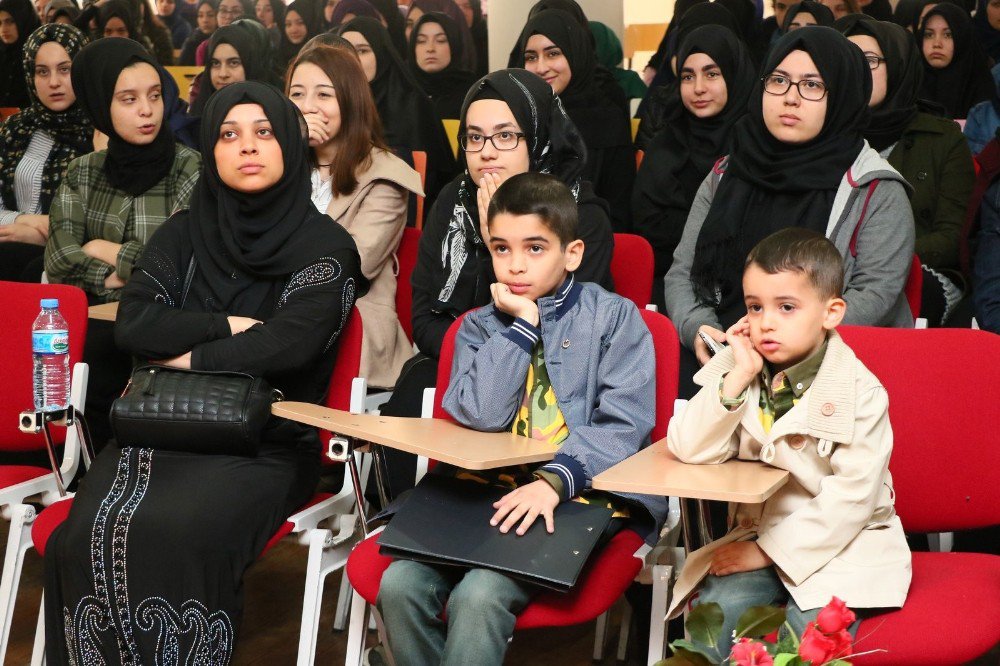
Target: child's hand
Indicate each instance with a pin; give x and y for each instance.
(749, 362)
(530, 501)
(737, 557)
(514, 305)
(488, 185)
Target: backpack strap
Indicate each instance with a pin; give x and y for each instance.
(861, 219)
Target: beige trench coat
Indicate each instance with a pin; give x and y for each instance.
(832, 529)
(375, 215)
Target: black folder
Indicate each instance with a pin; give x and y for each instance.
(447, 521)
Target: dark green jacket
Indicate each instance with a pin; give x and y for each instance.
(933, 157)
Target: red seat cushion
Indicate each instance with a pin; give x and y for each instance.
(53, 516)
(603, 580)
(11, 475)
(951, 615)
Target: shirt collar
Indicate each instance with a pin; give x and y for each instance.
(563, 299)
(799, 377)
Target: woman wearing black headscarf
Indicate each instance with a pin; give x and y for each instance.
(798, 158)
(407, 113)
(703, 108)
(473, 10)
(271, 284)
(806, 13)
(297, 28)
(247, 42)
(206, 25)
(17, 20)
(986, 23)
(418, 8)
(393, 21)
(929, 151)
(956, 70)
(110, 202)
(36, 146)
(436, 63)
(555, 46)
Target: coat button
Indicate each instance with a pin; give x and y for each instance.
(746, 523)
(921, 175)
(828, 409)
(797, 442)
(565, 344)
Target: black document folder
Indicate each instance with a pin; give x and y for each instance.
(447, 521)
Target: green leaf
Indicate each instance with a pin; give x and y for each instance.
(759, 621)
(786, 659)
(688, 646)
(704, 623)
(787, 642)
(683, 657)
(838, 662)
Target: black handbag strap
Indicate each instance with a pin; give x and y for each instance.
(187, 281)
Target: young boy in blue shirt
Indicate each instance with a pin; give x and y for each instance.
(552, 359)
(789, 392)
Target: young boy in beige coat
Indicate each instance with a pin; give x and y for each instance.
(788, 391)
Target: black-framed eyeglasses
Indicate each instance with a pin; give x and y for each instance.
(873, 61)
(809, 89)
(505, 140)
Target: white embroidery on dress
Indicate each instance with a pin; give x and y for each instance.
(348, 305)
(209, 634)
(324, 271)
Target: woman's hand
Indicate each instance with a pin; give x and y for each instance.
(102, 250)
(488, 185)
(700, 348)
(100, 138)
(38, 222)
(318, 132)
(240, 324)
(18, 232)
(527, 502)
(182, 362)
(648, 74)
(113, 281)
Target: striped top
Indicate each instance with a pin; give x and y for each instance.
(28, 178)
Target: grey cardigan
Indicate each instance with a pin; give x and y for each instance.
(875, 272)
(597, 352)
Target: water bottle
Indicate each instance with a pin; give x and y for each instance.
(50, 357)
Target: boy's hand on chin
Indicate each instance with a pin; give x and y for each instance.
(749, 362)
(514, 305)
(525, 504)
(738, 557)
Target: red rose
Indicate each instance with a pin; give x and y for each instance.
(748, 652)
(834, 617)
(818, 648)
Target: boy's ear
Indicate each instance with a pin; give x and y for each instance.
(573, 254)
(836, 308)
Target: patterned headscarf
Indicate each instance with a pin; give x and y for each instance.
(71, 129)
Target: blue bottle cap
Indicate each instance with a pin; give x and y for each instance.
(50, 302)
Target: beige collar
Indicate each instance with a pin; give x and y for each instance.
(385, 166)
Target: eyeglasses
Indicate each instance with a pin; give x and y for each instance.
(809, 89)
(505, 140)
(235, 11)
(873, 61)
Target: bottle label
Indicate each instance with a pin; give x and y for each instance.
(50, 342)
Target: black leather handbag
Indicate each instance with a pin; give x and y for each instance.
(192, 411)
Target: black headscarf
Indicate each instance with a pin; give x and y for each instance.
(745, 13)
(820, 13)
(13, 91)
(447, 87)
(597, 110)
(286, 50)
(95, 73)
(394, 22)
(966, 80)
(246, 245)
(770, 185)
(554, 146)
(70, 130)
(904, 74)
(251, 41)
(122, 10)
(681, 154)
(451, 10)
(407, 114)
(987, 36)
(480, 37)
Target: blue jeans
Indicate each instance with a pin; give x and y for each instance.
(737, 592)
(482, 608)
